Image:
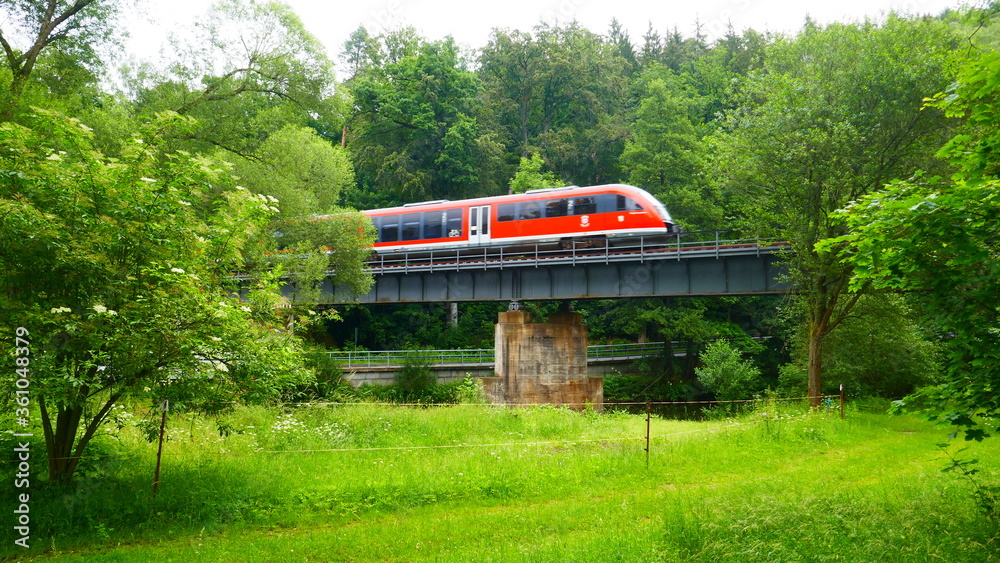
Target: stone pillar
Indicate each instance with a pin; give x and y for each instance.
(542, 362)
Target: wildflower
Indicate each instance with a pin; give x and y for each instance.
(272, 199)
(182, 202)
(100, 309)
(58, 310)
(150, 180)
(247, 309)
(177, 270)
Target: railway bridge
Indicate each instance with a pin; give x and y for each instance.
(548, 362)
(698, 263)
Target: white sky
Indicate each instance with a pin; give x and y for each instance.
(470, 22)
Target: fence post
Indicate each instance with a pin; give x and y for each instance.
(841, 401)
(648, 411)
(159, 450)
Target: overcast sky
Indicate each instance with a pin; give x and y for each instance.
(470, 22)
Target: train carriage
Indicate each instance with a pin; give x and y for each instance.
(557, 216)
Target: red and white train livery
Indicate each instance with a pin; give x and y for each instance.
(549, 216)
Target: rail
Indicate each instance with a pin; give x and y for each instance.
(643, 248)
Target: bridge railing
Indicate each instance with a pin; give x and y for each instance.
(479, 356)
(611, 352)
(375, 358)
(486, 356)
(651, 247)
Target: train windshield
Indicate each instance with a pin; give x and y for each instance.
(662, 211)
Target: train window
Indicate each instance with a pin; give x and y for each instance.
(505, 212)
(529, 210)
(454, 222)
(606, 203)
(433, 224)
(556, 208)
(389, 230)
(584, 206)
(411, 226)
(626, 203)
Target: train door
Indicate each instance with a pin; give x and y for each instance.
(479, 225)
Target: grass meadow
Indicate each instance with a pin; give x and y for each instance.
(479, 483)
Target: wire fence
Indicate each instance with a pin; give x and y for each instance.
(647, 437)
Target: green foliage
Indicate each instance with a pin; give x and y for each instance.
(880, 350)
(416, 378)
(666, 155)
(726, 375)
(303, 171)
(60, 57)
(413, 135)
(833, 114)
(649, 384)
(251, 70)
(559, 92)
(135, 298)
(529, 176)
(938, 240)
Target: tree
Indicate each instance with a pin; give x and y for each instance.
(559, 92)
(360, 50)
(938, 240)
(726, 375)
(251, 69)
(880, 350)
(414, 136)
(834, 114)
(121, 271)
(303, 171)
(73, 28)
(529, 176)
(666, 155)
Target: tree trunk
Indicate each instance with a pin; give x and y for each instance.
(60, 440)
(815, 363)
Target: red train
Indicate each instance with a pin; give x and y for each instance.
(592, 215)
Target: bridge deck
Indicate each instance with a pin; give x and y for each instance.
(660, 266)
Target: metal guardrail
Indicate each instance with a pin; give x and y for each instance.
(481, 357)
(659, 247)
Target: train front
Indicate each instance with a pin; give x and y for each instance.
(658, 208)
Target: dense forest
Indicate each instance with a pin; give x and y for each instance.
(791, 136)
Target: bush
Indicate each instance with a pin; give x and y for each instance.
(416, 379)
(726, 375)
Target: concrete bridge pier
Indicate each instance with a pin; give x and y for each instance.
(542, 362)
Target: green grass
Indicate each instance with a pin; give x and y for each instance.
(471, 483)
